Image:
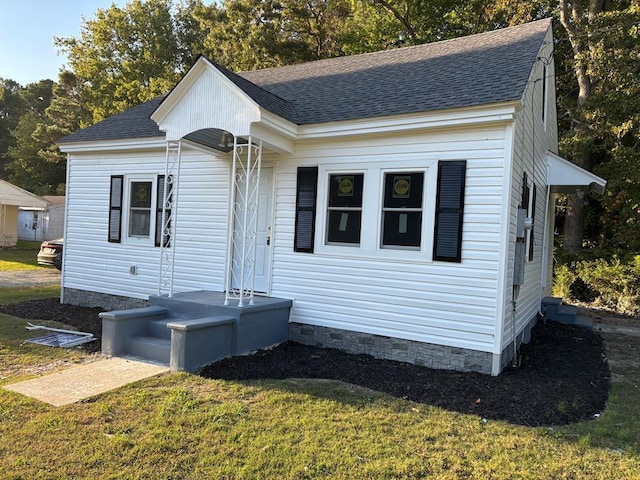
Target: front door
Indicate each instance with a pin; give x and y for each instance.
(263, 236)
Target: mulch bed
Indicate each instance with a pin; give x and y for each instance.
(563, 376)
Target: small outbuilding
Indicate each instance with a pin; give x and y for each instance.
(11, 199)
(42, 223)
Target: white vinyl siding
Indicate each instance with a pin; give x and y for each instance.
(532, 139)
(92, 263)
(401, 293)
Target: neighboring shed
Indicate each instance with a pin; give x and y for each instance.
(11, 198)
(39, 224)
(401, 201)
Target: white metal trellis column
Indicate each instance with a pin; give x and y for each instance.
(169, 211)
(243, 221)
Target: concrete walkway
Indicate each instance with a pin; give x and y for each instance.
(78, 383)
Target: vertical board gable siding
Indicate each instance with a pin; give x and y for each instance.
(208, 102)
(450, 304)
(91, 263)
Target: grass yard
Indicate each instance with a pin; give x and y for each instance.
(23, 257)
(184, 426)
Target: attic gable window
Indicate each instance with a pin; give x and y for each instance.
(344, 212)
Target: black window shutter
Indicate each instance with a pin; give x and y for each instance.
(115, 208)
(533, 216)
(160, 197)
(447, 245)
(306, 190)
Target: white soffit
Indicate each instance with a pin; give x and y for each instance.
(566, 177)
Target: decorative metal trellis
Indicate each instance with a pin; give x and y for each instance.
(243, 220)
(167, 218)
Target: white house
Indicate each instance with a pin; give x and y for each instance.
(42, 223)
(402, 200)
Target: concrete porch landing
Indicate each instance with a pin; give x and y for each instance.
(192, 329)
(84, 381)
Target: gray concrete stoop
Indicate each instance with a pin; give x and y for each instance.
(192, 329)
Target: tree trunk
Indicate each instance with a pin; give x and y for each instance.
(574, 24)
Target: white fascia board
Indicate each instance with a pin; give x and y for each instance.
(487, 114)
(150, 143)
(183, 86)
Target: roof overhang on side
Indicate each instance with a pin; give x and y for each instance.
(566, 177)
(205, 99)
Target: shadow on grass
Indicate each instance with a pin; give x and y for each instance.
(563, 377)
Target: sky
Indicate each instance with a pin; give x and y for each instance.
(27, 28)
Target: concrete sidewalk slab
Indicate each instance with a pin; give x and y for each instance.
(78, 383)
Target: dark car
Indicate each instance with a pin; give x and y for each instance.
(51, 253)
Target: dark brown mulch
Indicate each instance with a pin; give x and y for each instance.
(563, 376)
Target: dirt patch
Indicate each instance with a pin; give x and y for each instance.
(563, 376)
(30, 278)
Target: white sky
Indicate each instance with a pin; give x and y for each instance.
(27, 28)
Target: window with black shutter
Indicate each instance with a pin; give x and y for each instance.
(115, 209)
(534, 194)
(449, 211)
(306, 192)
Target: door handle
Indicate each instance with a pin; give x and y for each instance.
(268, 240)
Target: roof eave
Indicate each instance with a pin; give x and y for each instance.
(115, 144)
(497, 113)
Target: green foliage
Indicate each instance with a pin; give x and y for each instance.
(612, 282)
(125, 56)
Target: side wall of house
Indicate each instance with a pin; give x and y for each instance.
(8, 225)
(396, 293)
(534, 133)
(94, 266)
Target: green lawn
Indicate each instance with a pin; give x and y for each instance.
(23, 257)
(182, 426)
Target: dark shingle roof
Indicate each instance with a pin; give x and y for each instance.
(132, 123)
(490, 67)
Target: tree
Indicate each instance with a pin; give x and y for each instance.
(584, 23)
(11, 108)
(251, 34)
(125, 56)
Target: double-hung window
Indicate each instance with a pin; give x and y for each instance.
(344, 211)
(135, 210)
(140, 209)
(402, 210)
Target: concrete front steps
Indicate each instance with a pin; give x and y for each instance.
(553, 309)
(190, 330)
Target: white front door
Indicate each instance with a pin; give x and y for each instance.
(263, 235)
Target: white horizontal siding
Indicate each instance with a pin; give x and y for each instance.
(405, 296)
(92, 263)
(532, 140)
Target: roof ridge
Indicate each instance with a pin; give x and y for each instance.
(466, 38)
